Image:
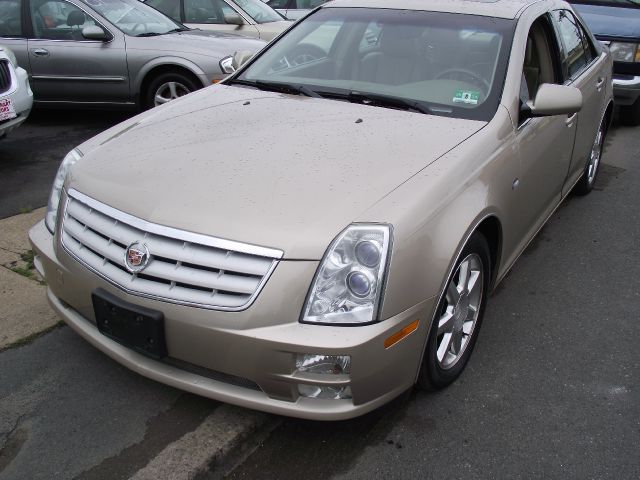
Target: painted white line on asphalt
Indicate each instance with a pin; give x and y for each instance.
(214, 438)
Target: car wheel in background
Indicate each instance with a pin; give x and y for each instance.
(458, 317)
(630, 114)
(588, 178)
(166, 87)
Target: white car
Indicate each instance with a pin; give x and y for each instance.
(16, 97)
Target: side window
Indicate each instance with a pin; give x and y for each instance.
(313, 3)
(589, 48)
(278, 3)
(574, 56)
(540, 60)
(171, 8)
(58, 20)
(10, 18)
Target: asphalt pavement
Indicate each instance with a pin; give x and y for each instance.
(30, 155)
(552, 389)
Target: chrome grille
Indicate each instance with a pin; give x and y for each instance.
(184, 267)
(5, 76)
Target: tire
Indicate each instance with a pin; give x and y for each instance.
(457, 317)
(590, 173)
(168, 86)
(630, 114)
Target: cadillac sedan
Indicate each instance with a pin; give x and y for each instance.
(323, 276)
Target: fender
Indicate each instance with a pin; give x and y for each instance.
(168, 61)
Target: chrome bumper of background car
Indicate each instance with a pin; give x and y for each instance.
(249, 367)
(626, 89)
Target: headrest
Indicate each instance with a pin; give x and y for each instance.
(75, 18)
(400, 40)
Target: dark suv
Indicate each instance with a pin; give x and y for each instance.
(617, 23)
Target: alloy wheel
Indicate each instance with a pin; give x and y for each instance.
(461, 311)
(169, 91)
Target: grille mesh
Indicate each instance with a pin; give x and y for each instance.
(5, 76)
(178, 271)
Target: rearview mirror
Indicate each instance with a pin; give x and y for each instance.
(240, 58)
(233, 19)
(553, 99)
(94, 32)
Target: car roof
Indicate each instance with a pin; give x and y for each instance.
(489, 8)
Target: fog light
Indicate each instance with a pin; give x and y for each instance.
(325, 392)
(323, 364)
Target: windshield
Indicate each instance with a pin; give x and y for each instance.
(134, 17)
(259, 11)
(440, 63)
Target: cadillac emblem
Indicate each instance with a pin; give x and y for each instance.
(136, 257)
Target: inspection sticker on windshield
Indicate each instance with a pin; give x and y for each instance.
(466, 96)
(7, 112)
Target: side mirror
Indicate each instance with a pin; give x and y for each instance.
(553, 99)
(240, 58)
(233, 19)
(94, 32)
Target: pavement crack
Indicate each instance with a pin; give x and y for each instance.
(15, 439)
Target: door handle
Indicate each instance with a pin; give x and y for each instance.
(600, 83)
(569, 121)
(40, 52)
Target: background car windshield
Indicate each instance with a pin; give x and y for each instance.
(453, 64)
(134, 17)
(610, 3)
(259, 11)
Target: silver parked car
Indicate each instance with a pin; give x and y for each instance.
(323, 275)
(16, 97)
(251, 18)
(113, 52)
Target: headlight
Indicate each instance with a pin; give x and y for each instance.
(226, 64)
(625, 52)
(348, 284)
(54, 199)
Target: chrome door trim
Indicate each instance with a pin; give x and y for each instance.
(82, 79)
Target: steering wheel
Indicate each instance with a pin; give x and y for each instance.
(304, 53)
(475, 78)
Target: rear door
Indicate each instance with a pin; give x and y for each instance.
(66, 67)
(583, 68)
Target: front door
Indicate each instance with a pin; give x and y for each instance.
(66, 67)
(546, 143)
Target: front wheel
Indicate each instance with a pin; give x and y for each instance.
(458, 317)
(166, 87)
(588, 178)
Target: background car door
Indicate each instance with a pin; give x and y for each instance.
(12, 31)
(209, 15)
(67, 67)
(583, 68)
(545, 143)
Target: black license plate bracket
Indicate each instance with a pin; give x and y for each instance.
(135, 327)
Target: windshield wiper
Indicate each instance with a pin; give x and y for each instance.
(179, 29)
(148, 34)
(278, 87)
(380, 100)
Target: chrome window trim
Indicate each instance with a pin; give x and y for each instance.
(109, 211)
(175, 233)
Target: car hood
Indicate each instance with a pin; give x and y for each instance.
(212, 44)
(611, 21)
(264, 168)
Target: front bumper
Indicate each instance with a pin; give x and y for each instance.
(626, 89)
(21, 97)
(248, 358)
